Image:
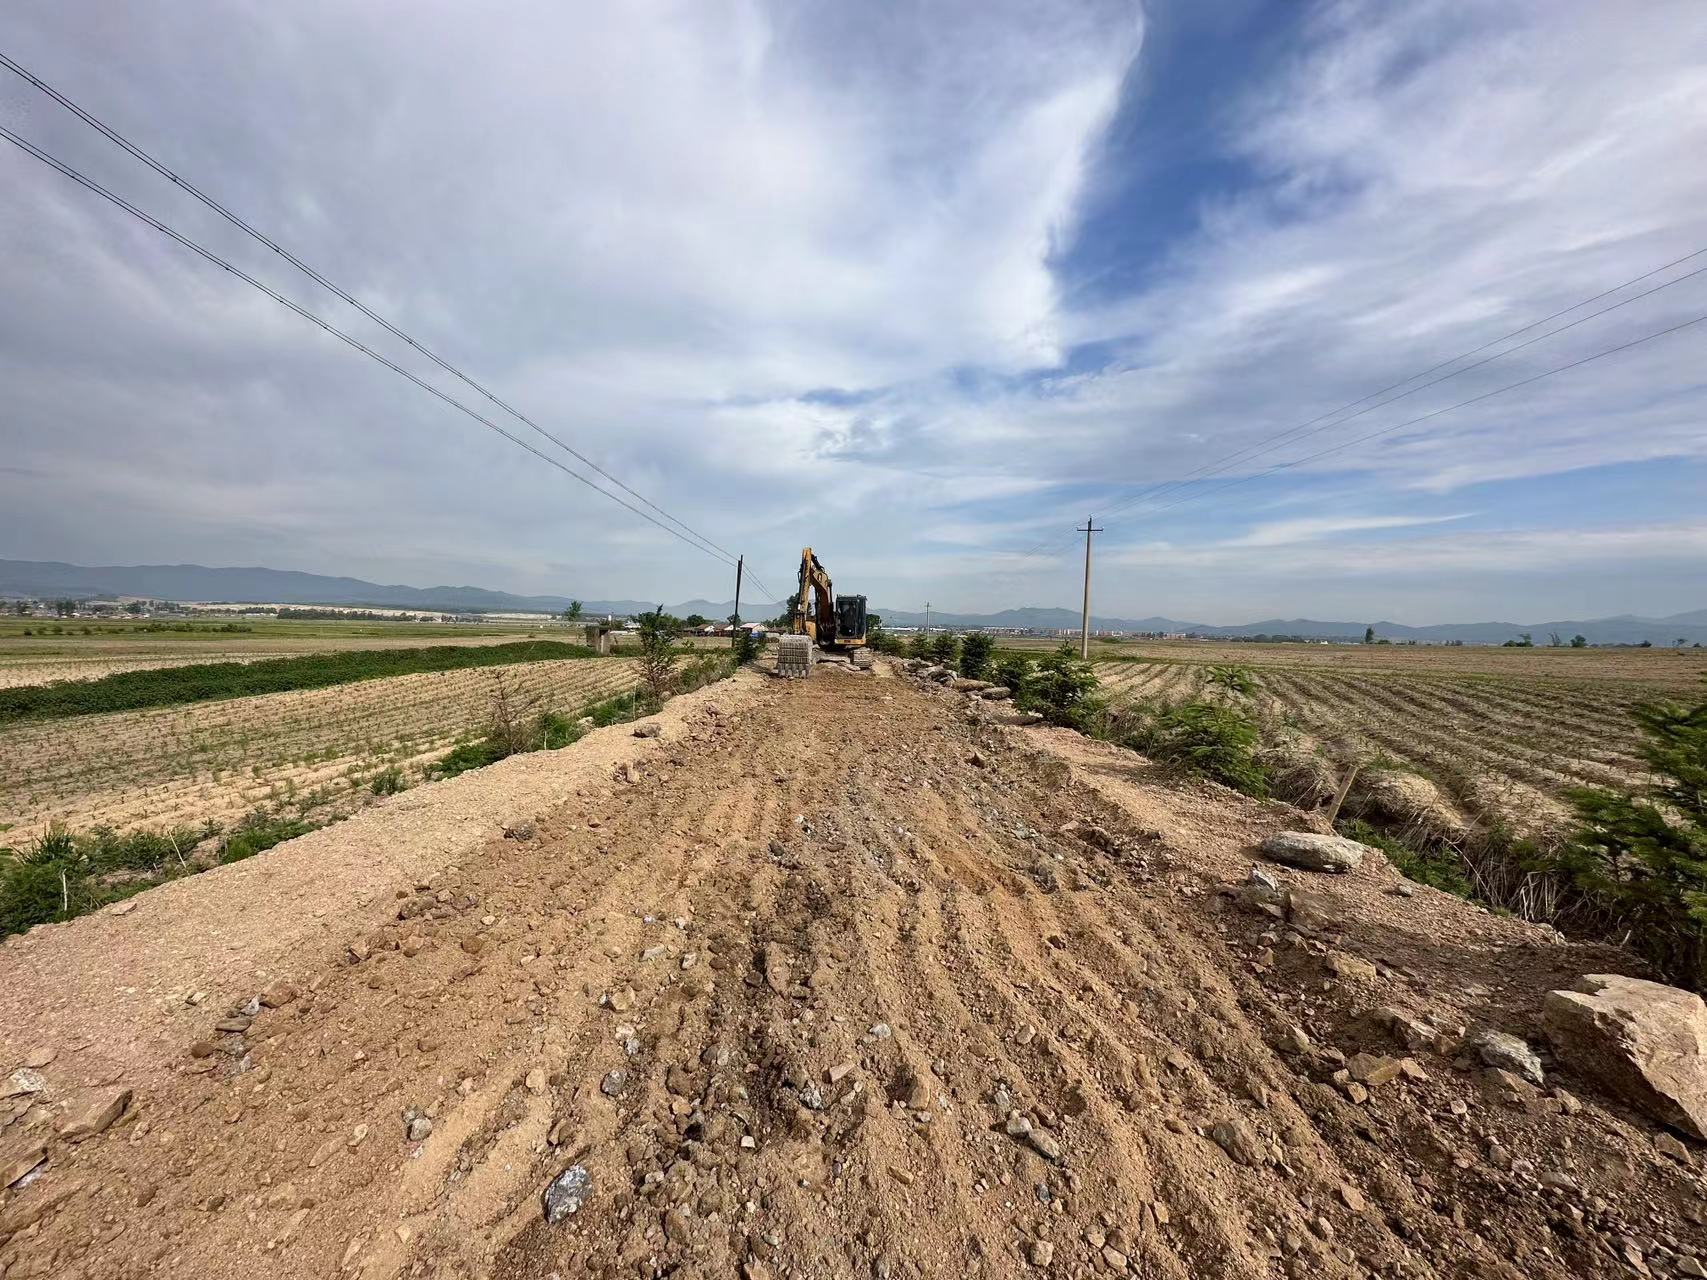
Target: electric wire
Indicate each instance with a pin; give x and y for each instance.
(1307, 429)
(261, 237)
(1435, 413)
(119, 201)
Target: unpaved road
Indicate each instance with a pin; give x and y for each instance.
(776, 981)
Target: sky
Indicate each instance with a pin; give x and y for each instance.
(922, 285)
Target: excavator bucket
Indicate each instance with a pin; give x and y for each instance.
(794, 657)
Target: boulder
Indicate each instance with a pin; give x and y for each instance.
(1312, 852)
(1506, 1052)
(1642, 1041)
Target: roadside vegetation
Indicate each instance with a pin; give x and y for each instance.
(62, 874)
(519, 724)
(210, 681)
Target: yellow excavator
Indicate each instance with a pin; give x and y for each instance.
(821, 619)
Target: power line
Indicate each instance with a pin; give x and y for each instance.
(118, 200)
(1306, 429)
(190, 188)
(1435, 413)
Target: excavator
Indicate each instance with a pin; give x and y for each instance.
(821, 620)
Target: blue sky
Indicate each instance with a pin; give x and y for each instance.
(921, 285)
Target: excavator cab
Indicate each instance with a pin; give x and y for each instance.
(850, 620)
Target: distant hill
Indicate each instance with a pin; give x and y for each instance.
(194, 582)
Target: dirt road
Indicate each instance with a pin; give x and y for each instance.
(842, 978)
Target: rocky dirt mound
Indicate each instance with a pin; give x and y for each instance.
(837, 978)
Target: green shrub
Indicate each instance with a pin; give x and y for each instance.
(33, 892)
(258, 831)
(1643, 857)
(945, 648)
(1204, 738)
(387, 782)
(1439, 868)
(1230, 678)
(1063, 689)
(975, 651)
(1014, 670)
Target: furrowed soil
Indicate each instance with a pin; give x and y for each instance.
(776, 981)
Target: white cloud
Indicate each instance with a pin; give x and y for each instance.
(657, 227)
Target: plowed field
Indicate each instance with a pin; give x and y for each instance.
(218, 760)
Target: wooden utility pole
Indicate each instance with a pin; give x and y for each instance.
(1085, 618)
(735, 626)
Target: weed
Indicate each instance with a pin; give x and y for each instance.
(1438, 868)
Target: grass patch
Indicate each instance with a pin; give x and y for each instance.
(259, 831)
(1209, 739)
(1437, 868)
(209, 681)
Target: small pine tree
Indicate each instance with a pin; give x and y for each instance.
(1644, 856)
(975, 650)
(658, 652)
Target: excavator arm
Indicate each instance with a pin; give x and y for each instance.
(814, 607)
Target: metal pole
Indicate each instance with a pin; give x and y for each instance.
(927, 617)
(1085, 618)
(735, 626)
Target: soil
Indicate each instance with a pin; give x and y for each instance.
(788, 984)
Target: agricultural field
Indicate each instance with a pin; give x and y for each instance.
(43, 656)
(313, 752)
(1503, 734)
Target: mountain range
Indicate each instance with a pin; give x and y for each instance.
(190, 582)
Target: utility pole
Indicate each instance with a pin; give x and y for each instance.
(927, 616)
(1085, 622)
(735, 626)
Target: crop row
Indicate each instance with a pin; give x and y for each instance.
(217, 758)
(208, 681)
(1517, 747)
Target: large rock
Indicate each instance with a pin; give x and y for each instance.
(1312, 852)
(1643, 1041)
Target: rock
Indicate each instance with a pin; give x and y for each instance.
(1643, 1041)
(1312, 852)
(278, 995)
(836, 1073)
(97, 1115)
(999, 694)
(648, 729)
(535, 1081)
(1043, 1142)
(122, 908)
(1262, 881)
(776, 967)
(519, 829)
(615, 1081)
(1671, 1148)
(567, 1192)
(1342, 964)
(419, 1129)
(1406, 1029)
(1371, 1069)
(40, 1056)
(17, 1165)
(622, 999)
(23, 1081)
(1507, 1052)
(1234, 1137)
(474, 944)
(1042, 1253)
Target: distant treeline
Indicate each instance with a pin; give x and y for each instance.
(207, 681)
(291, 613)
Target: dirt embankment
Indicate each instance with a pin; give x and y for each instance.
(842, 978)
